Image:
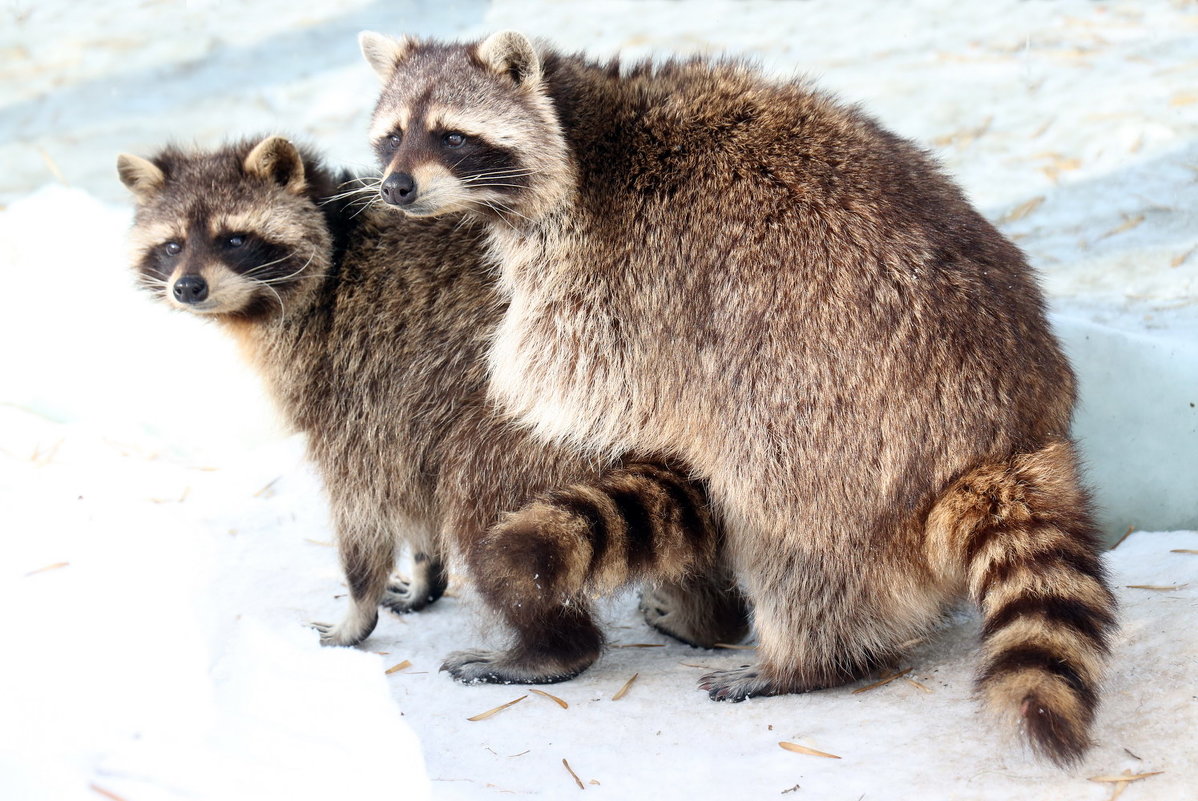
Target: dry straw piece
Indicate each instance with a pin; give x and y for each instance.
(620, 693)
(552, 698)
(1127, 777)
(882, 682)
(54, 566)
(109, 794)
(1021, 211)
(916, 684)
(1123, 780)
(1183, 550)
(577, 780)
(802, 749)
(1129, 222)
(1156, 587)
(497, 710)
(1180, 259)
(396, 668)
(1126, 534)
(730, 647)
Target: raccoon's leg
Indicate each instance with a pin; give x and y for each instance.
(367, 556)
(803, 649)
(701, 610)
(539, 565)
(1021, 538)
(427, 584)
(829, 610)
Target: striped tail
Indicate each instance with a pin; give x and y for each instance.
(642, 521)
(539, 566)
(1022, 534)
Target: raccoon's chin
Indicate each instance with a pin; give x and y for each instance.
(208, 307)
(432, 209)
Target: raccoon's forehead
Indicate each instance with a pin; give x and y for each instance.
(448, 91)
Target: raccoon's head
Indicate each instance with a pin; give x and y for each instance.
(231, 232)
(466, 127)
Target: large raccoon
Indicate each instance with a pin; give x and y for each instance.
(371, 333)
(757, 279)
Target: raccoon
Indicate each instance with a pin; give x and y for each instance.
(761, 280)
(370, 332)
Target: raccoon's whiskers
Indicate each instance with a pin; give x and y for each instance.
(366, 189)
(370, 203)
(486, 178)
(509, 171)
(502, 208)
(282, 278)
(249, 273)
(278, 297)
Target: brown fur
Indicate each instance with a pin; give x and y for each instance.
(371, 334)
(758, 279)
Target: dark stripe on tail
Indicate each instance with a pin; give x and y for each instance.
(694, 525)
(1034, 657)
(1084, 618)
(639, 527)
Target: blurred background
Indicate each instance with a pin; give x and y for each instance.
(1073, 125)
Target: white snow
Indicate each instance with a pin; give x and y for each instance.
(164, 544)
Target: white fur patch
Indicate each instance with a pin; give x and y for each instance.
(488, 128)
(384, 124)
(144, 237)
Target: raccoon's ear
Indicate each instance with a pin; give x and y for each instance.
(510, 53)
(143, 177)
(383, 53)
(276, 159)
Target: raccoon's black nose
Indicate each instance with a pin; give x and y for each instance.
(190, 289)
(399, 189)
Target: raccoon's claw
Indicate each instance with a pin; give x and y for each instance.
(403, 597)
(429, 582)
(346, 633)
(501, 667)
(736, 685)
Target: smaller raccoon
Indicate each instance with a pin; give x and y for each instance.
(370, 332)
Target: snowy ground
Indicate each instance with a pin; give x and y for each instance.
(164, 544)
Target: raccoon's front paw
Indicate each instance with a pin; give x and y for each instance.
(503, 667)
(737, 685)
(348, 632)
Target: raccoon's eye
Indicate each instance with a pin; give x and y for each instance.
(393, 141)
(454, 139)
(235, 241)
(172, 248)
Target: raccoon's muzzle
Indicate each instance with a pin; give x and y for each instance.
(398, 189)
(190, 289)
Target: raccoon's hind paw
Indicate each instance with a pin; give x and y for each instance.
(402, 597)
(505, 667)
(348, 632)
(429, 582)
(699, 619)
(738, 684)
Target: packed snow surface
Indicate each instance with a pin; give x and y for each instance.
(165, 545)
